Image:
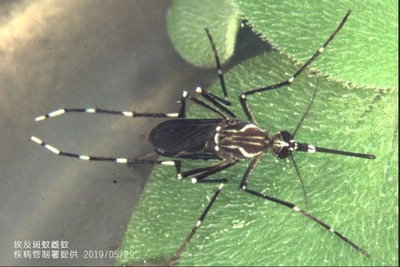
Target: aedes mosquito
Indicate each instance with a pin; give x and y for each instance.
(226, 139)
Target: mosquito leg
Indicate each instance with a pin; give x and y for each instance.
(182, 109)
(204, 172)
(203, 105)
(180, 114)
(243, 186)
(250, 168)
(243, 96)
(197, 225)
(219, 108)
(216, 102)
(105, 111)
(128, 161)
(308, 215)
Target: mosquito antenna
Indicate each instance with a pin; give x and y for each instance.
(308, 108)
(220, 73)
(294, 133)
(301, 180)
(312, 149)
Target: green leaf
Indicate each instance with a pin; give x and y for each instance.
(364, 53)
(356, 196)
(187, 21)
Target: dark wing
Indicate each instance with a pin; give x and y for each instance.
(185, 138)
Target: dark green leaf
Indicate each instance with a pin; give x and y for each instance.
(352, 194)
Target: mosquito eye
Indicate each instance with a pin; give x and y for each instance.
(284, 153)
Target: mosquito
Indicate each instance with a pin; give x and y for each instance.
(226, 140)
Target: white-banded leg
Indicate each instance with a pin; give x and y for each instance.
(182, 109)
(197, 225)
(216, 102)
(105, 111)
(180, 114)
(128, 161)
(308, 215)
(243, 96)
(204, 172)
(217, 107)
(243, 186)
(205, 105)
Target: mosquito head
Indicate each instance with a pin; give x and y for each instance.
(282, 144)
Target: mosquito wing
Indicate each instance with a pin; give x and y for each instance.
(185, 138)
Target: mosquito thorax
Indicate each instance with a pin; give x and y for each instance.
(239, 139)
